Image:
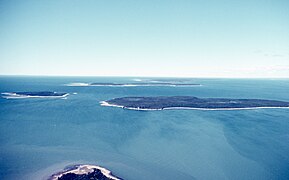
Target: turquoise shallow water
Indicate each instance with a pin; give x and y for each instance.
(41, 136)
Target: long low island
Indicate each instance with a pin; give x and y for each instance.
(191, 102)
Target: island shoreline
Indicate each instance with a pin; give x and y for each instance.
(108, 104)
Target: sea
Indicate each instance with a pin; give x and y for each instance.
(41, 136)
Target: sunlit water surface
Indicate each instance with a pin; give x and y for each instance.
(41, 136)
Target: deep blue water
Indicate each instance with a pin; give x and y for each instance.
(41, 136)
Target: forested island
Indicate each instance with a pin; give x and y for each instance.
(191, 102)
(38, 94)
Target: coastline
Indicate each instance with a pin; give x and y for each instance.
(84, 169)
(12, 95)
(105, 103)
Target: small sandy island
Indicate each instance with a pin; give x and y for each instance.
(39, 94)
(190, 102)
(84, 172)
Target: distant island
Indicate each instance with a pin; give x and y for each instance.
(84, 172)
(190, 102)
(39, 94)
(168, 80)
(134, 84)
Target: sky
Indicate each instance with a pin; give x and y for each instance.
(157, 38)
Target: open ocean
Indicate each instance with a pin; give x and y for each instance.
(39, 136)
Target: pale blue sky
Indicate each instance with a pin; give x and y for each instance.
(193, 38)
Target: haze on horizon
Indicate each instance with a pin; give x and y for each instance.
(184, 38)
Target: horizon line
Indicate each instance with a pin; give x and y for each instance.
(195, 77)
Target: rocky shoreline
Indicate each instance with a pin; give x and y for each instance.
(84, 172)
